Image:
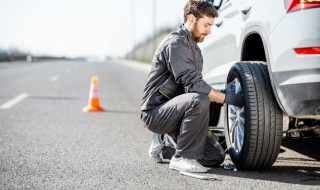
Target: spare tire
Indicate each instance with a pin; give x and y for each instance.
(253, 132)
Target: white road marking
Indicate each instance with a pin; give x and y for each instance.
(14, 101)
(54, 78)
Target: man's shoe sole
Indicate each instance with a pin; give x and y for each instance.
(179, 169)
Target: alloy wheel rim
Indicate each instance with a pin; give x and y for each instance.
(236, 121)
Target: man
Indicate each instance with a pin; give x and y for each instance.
(176, 99)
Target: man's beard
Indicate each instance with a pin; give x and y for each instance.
(196, 34)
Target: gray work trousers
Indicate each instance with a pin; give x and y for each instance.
(186, 119)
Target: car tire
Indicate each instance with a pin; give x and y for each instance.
(253, 133)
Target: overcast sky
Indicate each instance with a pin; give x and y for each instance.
(83, 27)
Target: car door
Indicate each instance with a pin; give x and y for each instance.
(211, 49)
(223, 48)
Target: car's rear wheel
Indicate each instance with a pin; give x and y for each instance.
(253, 133)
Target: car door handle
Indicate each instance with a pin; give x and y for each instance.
(219, 24)
(246, 10)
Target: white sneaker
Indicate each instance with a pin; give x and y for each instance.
(186, 165)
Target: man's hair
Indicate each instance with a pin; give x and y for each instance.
(199, 8)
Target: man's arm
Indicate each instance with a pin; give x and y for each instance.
(181, 64)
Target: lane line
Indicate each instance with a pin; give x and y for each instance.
(54, 78)
(14, 101)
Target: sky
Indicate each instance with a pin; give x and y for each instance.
(75, 28)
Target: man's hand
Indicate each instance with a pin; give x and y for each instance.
(233, 99)
(216, 96)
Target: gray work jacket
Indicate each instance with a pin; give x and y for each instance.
(175, 69)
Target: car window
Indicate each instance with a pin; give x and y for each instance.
(224, 2)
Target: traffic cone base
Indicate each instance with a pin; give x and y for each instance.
(93, 109)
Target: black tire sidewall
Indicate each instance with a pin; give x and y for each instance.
(235, 72)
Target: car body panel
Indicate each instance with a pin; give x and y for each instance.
(295, 78)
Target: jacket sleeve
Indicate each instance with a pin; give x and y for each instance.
(181, 64)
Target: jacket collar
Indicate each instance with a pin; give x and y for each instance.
(188, 33)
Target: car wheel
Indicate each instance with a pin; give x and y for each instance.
(253, 132)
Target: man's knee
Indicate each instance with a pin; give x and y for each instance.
(201, 101)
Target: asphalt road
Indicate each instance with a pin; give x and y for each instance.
(47, 142)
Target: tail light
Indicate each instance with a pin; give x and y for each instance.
(307, 50)
(298, 5)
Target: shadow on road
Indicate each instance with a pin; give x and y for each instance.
(123, 112)
(285, 174)
(307, 146)
(53, 98)
(290, 167)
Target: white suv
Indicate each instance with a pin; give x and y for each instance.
(269, 50)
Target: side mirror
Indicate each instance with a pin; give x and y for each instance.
(215, 3)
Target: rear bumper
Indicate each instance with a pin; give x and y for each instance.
(296, 78)
(299, 92)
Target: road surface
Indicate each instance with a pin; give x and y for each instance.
(47, 142)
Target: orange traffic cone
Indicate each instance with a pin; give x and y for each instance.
(94, 101)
